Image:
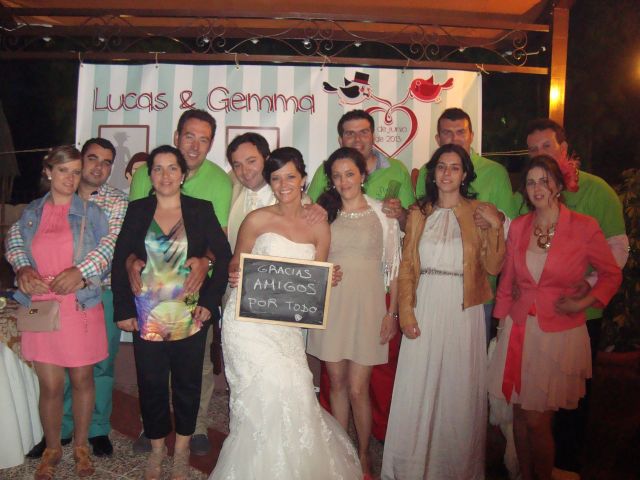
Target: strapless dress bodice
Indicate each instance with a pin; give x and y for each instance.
(277, 245)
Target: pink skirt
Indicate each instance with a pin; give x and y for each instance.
(81, 340)
(555, 366)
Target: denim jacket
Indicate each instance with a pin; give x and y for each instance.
(96, 227)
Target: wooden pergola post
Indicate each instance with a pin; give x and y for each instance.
(559, 47)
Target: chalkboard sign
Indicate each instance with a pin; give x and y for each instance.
(283, 291)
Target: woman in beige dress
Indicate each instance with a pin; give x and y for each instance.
(366, 245)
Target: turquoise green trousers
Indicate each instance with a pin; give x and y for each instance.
(103, 378)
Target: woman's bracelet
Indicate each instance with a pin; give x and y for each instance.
(394, 315)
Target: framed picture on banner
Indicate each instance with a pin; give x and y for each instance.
(128, 140)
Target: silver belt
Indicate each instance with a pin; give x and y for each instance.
(435, 271)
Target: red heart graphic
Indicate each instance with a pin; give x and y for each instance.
(388, 113)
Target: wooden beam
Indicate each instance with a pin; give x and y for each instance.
(559, 48)
(252, 59)
(565, 4)
(6, 19)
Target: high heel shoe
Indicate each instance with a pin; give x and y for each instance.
(47, 467)
(82, 457)
(153, 470)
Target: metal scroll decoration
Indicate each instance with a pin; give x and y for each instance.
(311, 38)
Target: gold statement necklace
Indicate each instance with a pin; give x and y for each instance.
(544, 237)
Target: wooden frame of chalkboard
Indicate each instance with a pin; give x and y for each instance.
(283, 291)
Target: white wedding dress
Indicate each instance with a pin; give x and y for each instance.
(278, 430)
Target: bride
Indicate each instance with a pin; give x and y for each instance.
(277, 428)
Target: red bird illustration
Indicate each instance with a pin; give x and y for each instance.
(426, 90)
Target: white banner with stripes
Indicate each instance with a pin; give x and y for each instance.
(137, 106)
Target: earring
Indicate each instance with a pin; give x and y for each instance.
(434, 180)
(302, 189)
(333, 187)
(362, 185)
(462, 184)
(49, 177)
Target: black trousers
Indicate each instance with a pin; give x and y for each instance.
(156, 362)
(569, 429)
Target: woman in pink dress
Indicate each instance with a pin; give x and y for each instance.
(51, 230)
(543, 355)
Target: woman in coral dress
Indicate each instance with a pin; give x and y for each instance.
(58, 231)
(543, 354)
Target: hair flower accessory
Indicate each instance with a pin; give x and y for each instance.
(569, 166)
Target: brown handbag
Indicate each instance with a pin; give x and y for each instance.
(41, 316)
(44, 315)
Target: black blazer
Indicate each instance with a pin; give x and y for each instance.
(203, 232)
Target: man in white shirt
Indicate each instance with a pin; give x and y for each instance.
(246, 154)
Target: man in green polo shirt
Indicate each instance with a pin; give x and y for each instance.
(207, 181)
(492, 182)
(355, 130)
(596, 198)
